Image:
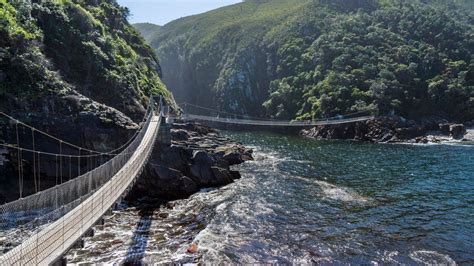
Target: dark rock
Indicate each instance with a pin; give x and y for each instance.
(202, 174)
(235, 175)
(457, 131)
(201, 157)
(163, 182)
(387, 137)
(410, 132)
(179, 134)
(198, 128)
(198, 157)
(421, 140)
(222, 176)
(444, 128)
(164, 173)
(389, 129)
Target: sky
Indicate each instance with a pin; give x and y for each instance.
(161, 12)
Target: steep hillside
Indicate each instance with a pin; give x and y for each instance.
(73, 48)
(75, 69)
(148, 30)
(319, 58)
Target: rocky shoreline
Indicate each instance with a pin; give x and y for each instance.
(198, 157)
(392, 129)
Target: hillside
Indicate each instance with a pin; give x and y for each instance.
(71, 51)
(75, 69)
(147, 30)
(319, 58)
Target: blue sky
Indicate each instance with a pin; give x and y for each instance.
(163, 11)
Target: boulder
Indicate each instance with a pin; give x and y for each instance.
(235, 175)
(457, 131)
(410, 132)
(164, 173)
(163, 182)
(421, 140)
(222, 176)
(179, 134)
(201, 157)
(197, 158)
(444, 128)
(202, 174)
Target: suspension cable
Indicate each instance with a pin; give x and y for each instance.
(39, 170)
(34, 159)
(61, 161)
(20, 185)
(73, 145)
(79, 163)
(11, 146)
(262, 119)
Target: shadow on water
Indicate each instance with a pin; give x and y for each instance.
(136, 251)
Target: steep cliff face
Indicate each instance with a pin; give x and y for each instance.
(317, 58)
(75, 69)
(67, 47)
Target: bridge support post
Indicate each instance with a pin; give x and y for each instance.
(164, 133)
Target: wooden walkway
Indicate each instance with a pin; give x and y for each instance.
(49, 244)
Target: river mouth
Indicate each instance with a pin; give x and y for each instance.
(303, 201)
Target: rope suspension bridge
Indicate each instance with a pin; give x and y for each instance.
(64, 213)
(236, 119)
(50, 221)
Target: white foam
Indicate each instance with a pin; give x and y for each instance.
(340, 193)
(431, 258)
(337, 192)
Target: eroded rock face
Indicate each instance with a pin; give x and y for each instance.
(71, 117)
(197, 158)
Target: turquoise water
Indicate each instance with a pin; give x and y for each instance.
(322, 201)
(304, 201)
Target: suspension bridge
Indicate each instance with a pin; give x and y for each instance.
(76, 205)
(49, 222)
(227, 118)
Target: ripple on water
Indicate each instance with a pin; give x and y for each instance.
(431, 257)
(303, 202)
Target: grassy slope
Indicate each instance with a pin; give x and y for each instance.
(246, 20)
(147, 29)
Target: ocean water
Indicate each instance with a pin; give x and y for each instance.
(306, 201)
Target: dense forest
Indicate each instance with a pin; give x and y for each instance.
(310, 59)
(73, 49)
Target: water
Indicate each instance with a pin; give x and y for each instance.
(304, 201)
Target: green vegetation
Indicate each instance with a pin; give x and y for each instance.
(308, 59)
(49, 47)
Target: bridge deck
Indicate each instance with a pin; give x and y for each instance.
(271, 123)
(52, 242)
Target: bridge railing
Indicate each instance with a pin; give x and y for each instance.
(275, 122)
(95, 193)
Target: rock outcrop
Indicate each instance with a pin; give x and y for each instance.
(388, 129)
(197, 158)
